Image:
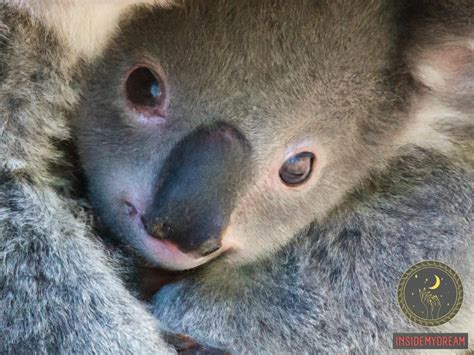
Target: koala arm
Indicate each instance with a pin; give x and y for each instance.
(59, 293)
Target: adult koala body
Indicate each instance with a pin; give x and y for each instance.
(314, 150)
(58, 291)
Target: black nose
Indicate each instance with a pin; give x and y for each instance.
(197, 187)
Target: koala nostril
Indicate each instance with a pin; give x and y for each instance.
(158, 230)
(131, 209)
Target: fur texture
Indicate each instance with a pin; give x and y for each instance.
(379, 90)
(59, 293)
(334, 288)
(85, 25)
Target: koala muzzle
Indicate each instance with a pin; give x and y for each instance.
(197, 189)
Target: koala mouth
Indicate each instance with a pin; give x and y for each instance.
(163, 253)
(168, 255)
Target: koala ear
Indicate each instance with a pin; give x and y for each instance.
(447, 68)
(443, 68)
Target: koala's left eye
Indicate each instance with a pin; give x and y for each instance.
(144, 90)
(297, 169)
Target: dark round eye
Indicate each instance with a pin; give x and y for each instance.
(297, 169)
(144, 89)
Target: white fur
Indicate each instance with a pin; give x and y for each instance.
(84, 25)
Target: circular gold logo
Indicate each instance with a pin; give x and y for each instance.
(430, 293)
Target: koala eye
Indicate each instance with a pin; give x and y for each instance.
(297, 169)
(144, 90)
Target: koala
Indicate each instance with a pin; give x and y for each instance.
(291, 160)
(59, 290)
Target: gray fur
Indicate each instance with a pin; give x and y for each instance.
(333, 289)
(59, 292)
(314, 270)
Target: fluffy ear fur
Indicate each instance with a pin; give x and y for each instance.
(446, 68)
(84, 25)
(444, 106)
(440, 57)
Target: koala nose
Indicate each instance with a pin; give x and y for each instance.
(197, 187)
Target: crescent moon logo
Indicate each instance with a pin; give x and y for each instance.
(436, 284)
(430, 305)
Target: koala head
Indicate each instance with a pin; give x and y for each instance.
(225, 128)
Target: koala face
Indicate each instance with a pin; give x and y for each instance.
(227, 128)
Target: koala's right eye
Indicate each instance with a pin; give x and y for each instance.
(297, 169)
(145, 91)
